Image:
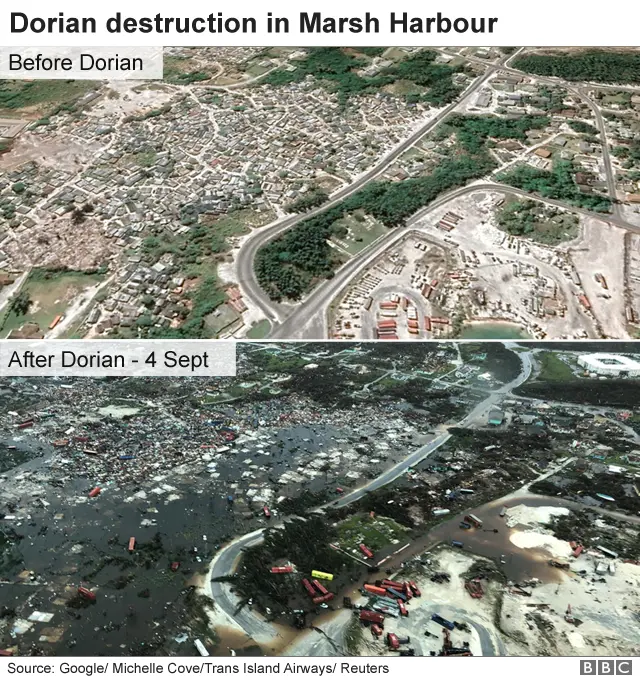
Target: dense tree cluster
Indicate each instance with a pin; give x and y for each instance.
(288, 266)
(583, 128)
(592, 65)
(312, 199)
(557, 184)
(617, 393)
(531, 219)
(305, 543)
(337, 68)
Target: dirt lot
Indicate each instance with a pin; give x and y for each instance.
(506, 622)
(600, 249)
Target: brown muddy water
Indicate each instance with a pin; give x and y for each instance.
(492, 541)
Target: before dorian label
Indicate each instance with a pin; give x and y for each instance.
(81, 63)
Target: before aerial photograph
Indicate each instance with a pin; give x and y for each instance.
(318, 193)
(332, 499)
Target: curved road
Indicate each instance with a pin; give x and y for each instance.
(226, 560)
(245, 259)
(308, 319)
(289, 321)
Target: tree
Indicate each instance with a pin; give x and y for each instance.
(20, 303)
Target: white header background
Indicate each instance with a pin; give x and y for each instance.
(545, 22)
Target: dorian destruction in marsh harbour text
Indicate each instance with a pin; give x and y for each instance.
(308, 22)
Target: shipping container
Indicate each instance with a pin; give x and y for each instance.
(86, 594)
(397, 594)
(392, 641)
(374, 589)
(323, 575)
(442, 621)
(415, 589)
(472, 519)
(365, 551)
(323, 598)
(282, 570)
(371, 617)
(320, 587)
(95, 492)
(132, 544)
(308, 587)
(57, 319)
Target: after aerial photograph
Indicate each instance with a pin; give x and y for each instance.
(309, 193)
(332, 499)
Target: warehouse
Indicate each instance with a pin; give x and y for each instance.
(610, 364)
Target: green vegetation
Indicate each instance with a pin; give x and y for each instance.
(583, 128)
(146, 159)
(259, 330)
(629, 154)
(371, 51)
(356, 231)
(619, 393)
(376, 533)
(312, 199)
(151, 113)
(337, 68)
(557, 184)
(593, 65)
(176, 70)
(553, 369)
(291, 264)
(303, 542)
(20, 304)
(45, 294)
(22, 94)
(196, 254)
(540, 223)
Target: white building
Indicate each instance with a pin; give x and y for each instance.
(610, 364)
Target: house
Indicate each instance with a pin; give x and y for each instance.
(543, 152)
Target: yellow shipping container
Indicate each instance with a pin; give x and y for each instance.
(322, 575)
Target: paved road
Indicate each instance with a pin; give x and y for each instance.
(246, 257)
(303, 320)
(226, 559)
(308, 319)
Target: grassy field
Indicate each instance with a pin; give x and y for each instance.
(376, 533)
(362, 231)
(222, 318)
(259, 330)
(553, 369)
(542, 224)
(41, 96)
(50, 294)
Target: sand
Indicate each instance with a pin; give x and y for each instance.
(532, 540)
(523, 515)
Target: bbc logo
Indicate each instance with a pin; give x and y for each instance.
(605, 667)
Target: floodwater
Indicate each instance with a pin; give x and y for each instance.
(143, 607)
(492, 541)
(67, 540)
